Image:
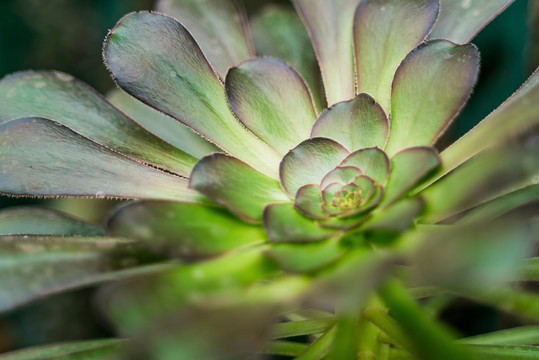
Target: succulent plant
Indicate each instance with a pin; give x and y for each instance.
(264, 197)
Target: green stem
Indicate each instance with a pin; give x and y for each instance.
(388, 325)
(320, 347)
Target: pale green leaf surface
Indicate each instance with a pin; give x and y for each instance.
(236, 186)
(515, 116)
(330, 23)
(278, 32)
(385, 31)
(44, 158)
(308, 201)
(372, 161)
(523, 335)
(356, 124)
(219, 28)
(396, 218)
(82, 350)
(461, 20)
(271, 100)
(408, 168)
(60, 97)
(36, 220)
(163, 126)
(33, 266)
(305, 257)
(283, 223)
(309, 162)
(180, 229)
(430, 87)
(155, 59)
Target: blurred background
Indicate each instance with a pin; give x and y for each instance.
(67, 35)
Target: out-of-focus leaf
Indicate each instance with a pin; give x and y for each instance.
(302, 327)
(430, 87)
(167, 128)
(283, 223)
(155, 59)
(82, 350)
(34, 266)
(408, 168)
(372, 161)
(330, 23)
(35, 220)
(461, 20)
(60, 97)
(384, 32)
(219, 27)
(44, 158)
(272, 101)
(503, 204)
(229, 182)
(486, 176)
(183, 229)
(515, 116)
(306, 257)
(278, 32)
(395, 218)
(356, 124)
(309, 162)
(524, 335)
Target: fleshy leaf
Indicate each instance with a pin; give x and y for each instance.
(308, 201)
(62, 98)
(488, 175)
(341, 174)
(219, 28)
(37, 265)
(357, 123)
(272, 100)
(44, 158)
(329, 23)
(35, 220)
(283, 223)
(155, 59)
(165, 127)
(87, 350)
(309, 162)
(384, 32)
(183, 229)
(430, 87)
(515, 116)
(278, 32)
(396, 218)
(305, 257)
(460, 21)
(372, 161)
(408, 168)
(235, 185)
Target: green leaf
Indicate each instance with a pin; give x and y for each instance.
(329, 23)
(395, 218)
(219, 27)
(44, 158)
(516, 115)
(278, 32)
(309, 162)
(283, 223)
(524, 335)
(385, 31)
(430, 87)
(236, 186)
(81, 350)
(504, 352)
(34, 266)
(180, 229)
(165, 127)
(372, 161)
(460, 21)
(305, 257)
(273, 101)
(356, 124)
(155, 59)
(303, 327)
(486, 176)
(60, 97)
(308, 201)
(408, 168)
(35, 220)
